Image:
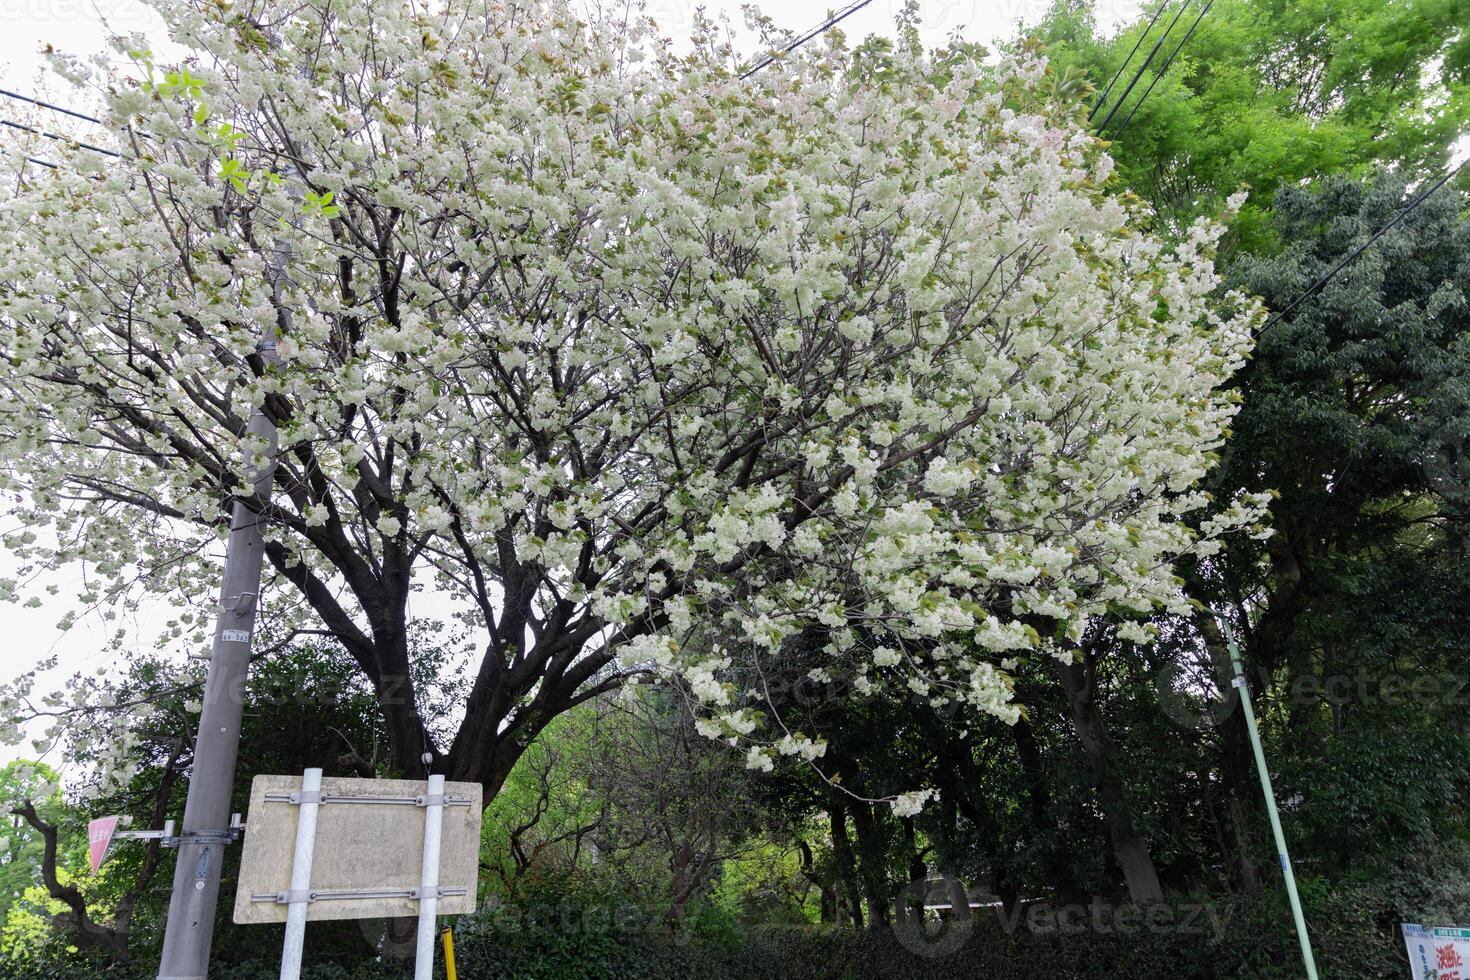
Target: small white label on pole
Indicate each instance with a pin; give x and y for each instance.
(235, 636)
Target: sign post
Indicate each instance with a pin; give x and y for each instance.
(1250, 723)
(423, 960)
(450, 972)
(310, 799)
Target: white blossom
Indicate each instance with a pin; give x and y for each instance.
(726, 360)
(912, 804)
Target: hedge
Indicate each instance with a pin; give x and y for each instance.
(564, 931)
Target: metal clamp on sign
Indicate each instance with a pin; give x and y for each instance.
(167, 838)
(414, 894)
(316, 796)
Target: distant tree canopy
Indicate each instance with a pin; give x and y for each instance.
(1353, 414)
(1268, 94)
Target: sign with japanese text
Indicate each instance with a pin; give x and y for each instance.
(1438, 953)
(99, 839)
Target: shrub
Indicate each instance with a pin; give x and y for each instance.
(568, 930)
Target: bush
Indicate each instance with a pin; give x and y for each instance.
(563, 933)
(566, 930)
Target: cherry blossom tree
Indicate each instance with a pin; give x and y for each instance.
(642, 365)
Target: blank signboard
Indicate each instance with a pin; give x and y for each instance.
(360, 847)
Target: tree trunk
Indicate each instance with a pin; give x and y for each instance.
(76, 921)
(846, 865)
(1130, 850)
(872, 863)
(1235, 761)
(827, 895)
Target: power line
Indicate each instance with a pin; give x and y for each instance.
(1143, 67)
(6, 93)
(852, 9)
(1103, 97)
(1408, 209)
(820, 29)
(58, 137)
(47, 105)
(789, 47)
(1163, 69)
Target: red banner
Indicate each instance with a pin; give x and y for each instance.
(99, 839)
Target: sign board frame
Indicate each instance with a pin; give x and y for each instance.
(368, 842)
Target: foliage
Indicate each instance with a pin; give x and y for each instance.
(546, 811)
(566, 932)
(305, 705)
(21, 847)
(1270, 95)
(1357, 411)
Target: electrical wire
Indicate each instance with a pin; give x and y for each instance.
(47, 105)
(1387, 226)
(852, 9)
(1163, 69)
(1103, 97)
(817, 31)
(58, 137)
(1143, 67)
(6, 93)
(791, 46)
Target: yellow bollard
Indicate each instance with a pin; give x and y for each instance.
(449, 955)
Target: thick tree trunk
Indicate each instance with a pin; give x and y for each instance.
(972, 804)
(1130, 850)
(872, 864)
(827, 904)
(918, 867)
(846, 864)
(827, 895)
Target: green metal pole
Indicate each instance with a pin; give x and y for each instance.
(1250, 724)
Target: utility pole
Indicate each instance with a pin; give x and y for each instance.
(191, 909)
(1303, 939)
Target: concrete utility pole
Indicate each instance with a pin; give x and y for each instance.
(191, 908)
